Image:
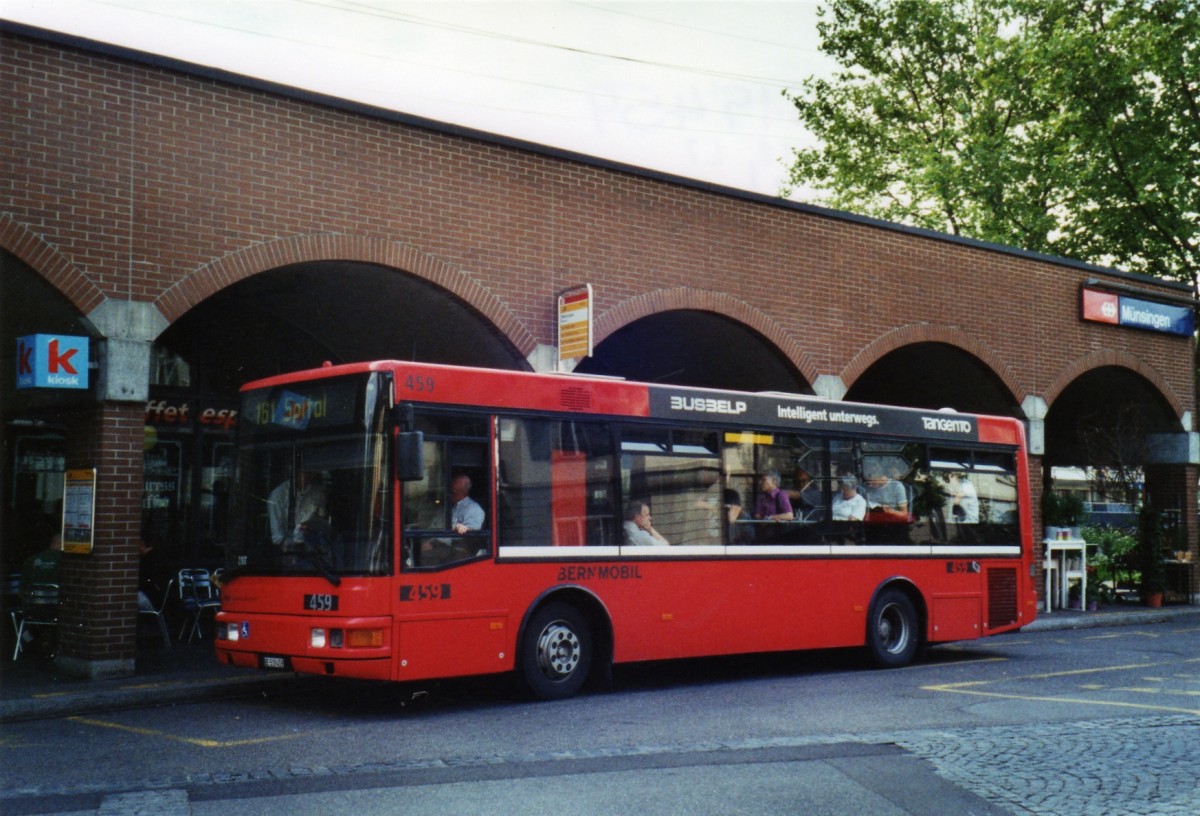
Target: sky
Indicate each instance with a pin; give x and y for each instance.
(687, 88)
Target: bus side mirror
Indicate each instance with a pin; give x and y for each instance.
(410, 456)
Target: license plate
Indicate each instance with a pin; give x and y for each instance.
(274, 662)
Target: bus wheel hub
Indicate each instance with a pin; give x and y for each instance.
(558, 650)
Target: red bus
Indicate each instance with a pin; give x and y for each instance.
(354, 554)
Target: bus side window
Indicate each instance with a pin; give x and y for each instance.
(456, 455)
(676, 473)
(887, 484)
(555, 483)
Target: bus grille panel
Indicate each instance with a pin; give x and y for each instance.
(1002, 597)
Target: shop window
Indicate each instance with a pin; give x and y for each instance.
(170, 369)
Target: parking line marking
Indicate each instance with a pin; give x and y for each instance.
(202, 743)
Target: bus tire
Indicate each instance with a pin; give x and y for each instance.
(893, 637)
(556, 652)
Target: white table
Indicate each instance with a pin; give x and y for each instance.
(1059, 554)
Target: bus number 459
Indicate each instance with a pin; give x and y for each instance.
(321, 603)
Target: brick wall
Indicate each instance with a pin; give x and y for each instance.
(146, 183)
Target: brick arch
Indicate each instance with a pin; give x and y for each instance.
(1121, 359)
(224, 271)
(932, 333)
(725, 305)
(45, 259)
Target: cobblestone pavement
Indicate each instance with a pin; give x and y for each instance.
(1146, 766)
(1098, 768)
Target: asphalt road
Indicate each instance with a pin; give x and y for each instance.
(1085, 721)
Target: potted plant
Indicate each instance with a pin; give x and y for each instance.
(1149, 555)
(1112, 553)
(1060, 511)
(1094, 591)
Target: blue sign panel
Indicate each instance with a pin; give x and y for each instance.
(52, 361)
(1159, 317)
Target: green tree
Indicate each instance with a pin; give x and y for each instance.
(1063, 126)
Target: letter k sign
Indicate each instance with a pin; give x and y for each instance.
(52, 361)
(60, 361)
(24, 357)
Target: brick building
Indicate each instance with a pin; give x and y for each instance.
(202, 229)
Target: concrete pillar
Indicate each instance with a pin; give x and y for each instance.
(829, 386)
(544, 360)
(1035, 410)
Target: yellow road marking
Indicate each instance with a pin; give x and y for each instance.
(1073, 700)
(1074, 672)
(1164, 692)
(973, 688)
(203, 743)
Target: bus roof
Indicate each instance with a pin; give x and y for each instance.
(572, 393)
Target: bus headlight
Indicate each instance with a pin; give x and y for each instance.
(227, 631)
(317, 640)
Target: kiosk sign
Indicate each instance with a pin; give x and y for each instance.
(52, 361)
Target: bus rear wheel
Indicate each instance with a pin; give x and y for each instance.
(556, 652)
(892, 634)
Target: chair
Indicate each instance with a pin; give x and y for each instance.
(197, 595)
(39, 607)
(159, 613)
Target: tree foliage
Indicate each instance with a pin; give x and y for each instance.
(1063, 126)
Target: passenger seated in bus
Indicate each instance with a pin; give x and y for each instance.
(772, 502)
(848, 505)
(887, 500)
(805, 496)
(639, 530)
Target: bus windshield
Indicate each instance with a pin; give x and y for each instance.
(311, 493)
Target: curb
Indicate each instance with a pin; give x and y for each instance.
(54, 705)
(1094, 620)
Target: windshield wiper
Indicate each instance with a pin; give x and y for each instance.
(314, 557)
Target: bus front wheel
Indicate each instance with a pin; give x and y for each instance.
(892, 634)
(556, 652)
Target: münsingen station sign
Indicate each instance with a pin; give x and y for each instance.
(1137, 313)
